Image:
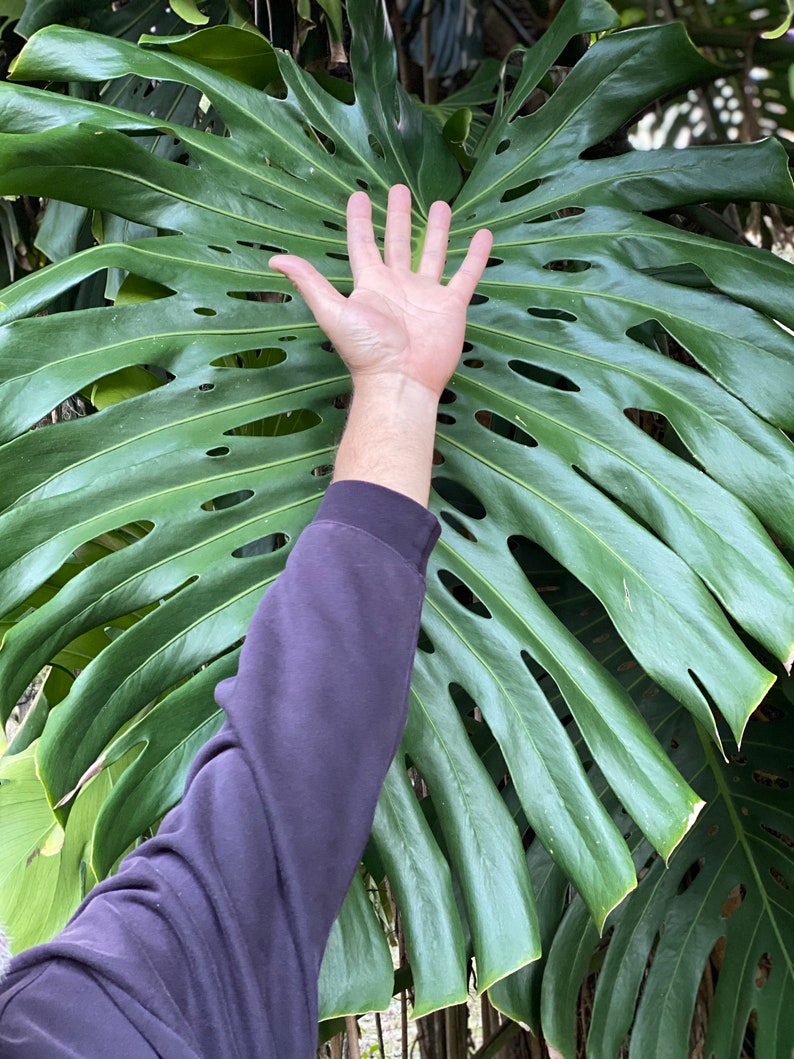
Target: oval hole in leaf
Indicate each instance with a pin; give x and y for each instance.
(205, 386)
(220, 249)
(376, 145)
(261, 546)
(542, 572)
(333, 226)
(204, 311)
(493, 261)
(463, 701)
(220, 450)
(362, 184)
(272, 297)
(770, 779)
(463, 594)
(504, 428)
(560, 215)
(457, 525)
(650, 334)
(660, 429)
(734, 901)
(654, 424)
(319, 138)
(424, 643)
(445, 419)
(502, 146)
(322, 470)
(265, 202)
(227, 500)
(252, 358)
(337, 257)
(521, 189)
(459, 496)
(262, 246)
(447, 396)
(763, 970)
(122, 536)
(139, 289)
(170, 595)
(767, 712)
(293, 422)
(543, 376)
(479, 299)
(787, 840)
(684, 275)
(551, 314)
(779, 878)
(438, 459)
(690, 875)
(567, 265)
(474, 362)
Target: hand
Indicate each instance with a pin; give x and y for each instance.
(396, 322)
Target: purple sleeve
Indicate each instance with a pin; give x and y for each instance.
(208, 940)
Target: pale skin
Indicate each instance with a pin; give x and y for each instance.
(400, 334)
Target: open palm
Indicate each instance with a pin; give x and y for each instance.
(395, 321)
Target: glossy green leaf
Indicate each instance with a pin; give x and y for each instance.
(420, 878)
(726, 895)
(237, 53)
(483, 842)
(740, 846)
(592, 318)
(189, 11)
(356, 973)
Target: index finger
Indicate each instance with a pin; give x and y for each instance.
(361, 245)
(470, 272)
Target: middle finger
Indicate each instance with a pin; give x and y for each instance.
(398, 228)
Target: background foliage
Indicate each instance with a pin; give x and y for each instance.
(612, 592)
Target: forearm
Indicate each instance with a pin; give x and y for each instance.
(389, 435)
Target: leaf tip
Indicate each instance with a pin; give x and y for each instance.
(688, 824)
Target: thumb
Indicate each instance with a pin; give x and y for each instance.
(323, 299)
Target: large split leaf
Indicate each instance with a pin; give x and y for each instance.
(225, 460)
(721, 911)
(710, 928)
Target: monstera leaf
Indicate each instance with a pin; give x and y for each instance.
(698, 957)
(217, 441)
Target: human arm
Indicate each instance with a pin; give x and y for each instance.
(208, 940)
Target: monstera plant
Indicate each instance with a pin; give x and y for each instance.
(610, 600)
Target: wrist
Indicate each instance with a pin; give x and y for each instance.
(389, 435)
(401, 390)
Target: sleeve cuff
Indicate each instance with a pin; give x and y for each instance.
(407, 527)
